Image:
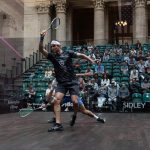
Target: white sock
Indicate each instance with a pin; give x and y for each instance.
(96, 117)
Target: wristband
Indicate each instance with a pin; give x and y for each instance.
(41, 38)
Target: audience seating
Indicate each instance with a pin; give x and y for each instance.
(112, 67)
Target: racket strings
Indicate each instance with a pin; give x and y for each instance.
(55, 23)
(25, 112)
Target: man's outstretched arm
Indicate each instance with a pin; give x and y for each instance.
(86, 57)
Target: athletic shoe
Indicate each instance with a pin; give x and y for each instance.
(72, 122)
(99, 119)
(56, 127)
(42, 106)
(53, 120)
(44, 109)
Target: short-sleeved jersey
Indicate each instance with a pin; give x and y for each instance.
(63, 66)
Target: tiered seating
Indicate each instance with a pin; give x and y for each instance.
(111, 66)
(146, 48)
(37, 80)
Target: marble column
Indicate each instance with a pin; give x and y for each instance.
(99, 25)
(44, 20)
(36, 19)
(61, 13)
(140, 26)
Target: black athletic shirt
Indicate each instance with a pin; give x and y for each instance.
(63, 66)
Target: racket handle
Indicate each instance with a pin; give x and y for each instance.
(43, 33)
(47, 29)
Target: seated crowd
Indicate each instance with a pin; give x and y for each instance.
(119, 72)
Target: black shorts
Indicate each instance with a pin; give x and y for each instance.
(71, 86)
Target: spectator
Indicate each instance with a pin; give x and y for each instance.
(134, 87)
(105, 81)
(48, 73)
(126, 46)
(134, 74)
(124, 68)
(88, 73)
(131, 62)
(145, 86)
(147, 74)
(49, 95)
(138, 45)
(77, 66)
(97, 79)
(118, 56)
(141, 66)
(31, 93)
(113, 90)
(106, 55)
(140, 56)
(123, 95)
(126, 57)
(99, 68)
(147, 64)
(133, 52)
(92, 56)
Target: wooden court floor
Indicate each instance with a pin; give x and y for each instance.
(122, 131)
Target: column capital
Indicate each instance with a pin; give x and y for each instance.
(98, 4)
(42, 6)
(60, 5)
(139, 3)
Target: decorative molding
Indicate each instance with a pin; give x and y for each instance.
(139, 3)
(60, 5)
(98, 4)
(42, 6)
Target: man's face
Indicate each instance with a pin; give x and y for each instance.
(55, 48)
(113, 83)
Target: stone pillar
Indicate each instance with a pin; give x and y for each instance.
(44, 20)
(61, 13)
(99, 26)
(140, 25)
(31, 28)
(36, 19)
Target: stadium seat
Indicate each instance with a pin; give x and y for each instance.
(124, 79)
(126, 83)
(39, 98)
(146, 97)
(111, 60)
(125, 75)
(117, 79)
(108, 67)
(116, 74)
(116, 71)
(116, 67)
(137, 98)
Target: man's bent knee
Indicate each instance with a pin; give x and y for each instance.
(57, 101)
